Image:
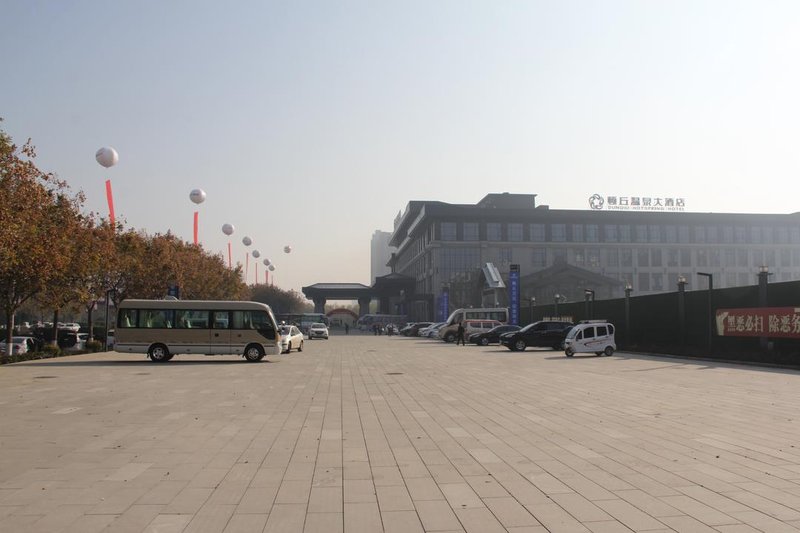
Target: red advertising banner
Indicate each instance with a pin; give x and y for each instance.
(759, 322)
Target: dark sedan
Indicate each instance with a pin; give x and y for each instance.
(492, 336)
(542, 334)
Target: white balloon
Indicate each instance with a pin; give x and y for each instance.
(227, 229)
(287, 248)
(267, 262)
(107, 156)
(198, 196)
(256, 254)
(272, 267)
(247, 241)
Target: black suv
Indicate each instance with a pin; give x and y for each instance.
(544, 334)
(493, 335)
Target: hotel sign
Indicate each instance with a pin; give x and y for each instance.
(759, 322)
(636, 203)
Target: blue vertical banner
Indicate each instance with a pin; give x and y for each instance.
(444, 304)
(513, 294)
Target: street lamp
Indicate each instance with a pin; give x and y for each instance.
(628, 289)
(710, 307)
(533, 304)
(588, 295)
(682, 307)
(763, 278)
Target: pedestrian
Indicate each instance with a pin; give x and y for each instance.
(460, 334)
(346, 329)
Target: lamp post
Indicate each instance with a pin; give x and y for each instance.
(628, 289)
(763, 278)
(710, 306)
(105, 340)
(682, 308)
(532, 305)
(556, 298)
(588, 295)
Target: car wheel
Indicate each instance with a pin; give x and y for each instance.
(484, 342)
(609, 351)
(569, 352)
(289, 348)
(449, 337)
(158, 353)
(254, 353)
(300, 348)
(520, 346)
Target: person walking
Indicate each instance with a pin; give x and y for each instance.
(460, 334)
(346, 329)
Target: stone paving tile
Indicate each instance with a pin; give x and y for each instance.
(367, 433)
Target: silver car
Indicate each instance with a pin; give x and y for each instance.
(291, 338)
(318, 330)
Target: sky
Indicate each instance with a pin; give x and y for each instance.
(312, 124)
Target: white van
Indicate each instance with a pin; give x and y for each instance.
(590, 336)
(448, 332)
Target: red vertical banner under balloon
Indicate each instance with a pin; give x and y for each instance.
(196, 220)
(110, 198)
(246, 266)
(266, 276)
(256, 272)
(230, 262)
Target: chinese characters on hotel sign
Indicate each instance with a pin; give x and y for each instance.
(759, 322)
(636, 203)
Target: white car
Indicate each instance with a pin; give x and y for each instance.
(71, 326)
(318, 329)
(19, 345)
(291, 338)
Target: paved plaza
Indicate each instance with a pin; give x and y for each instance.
(370, 434)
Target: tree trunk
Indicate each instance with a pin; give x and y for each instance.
(9, 332)
(89, 313)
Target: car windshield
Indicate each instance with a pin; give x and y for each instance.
(528, 327)
(317, 325)
(572, 333)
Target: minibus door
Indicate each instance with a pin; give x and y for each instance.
(220, 340)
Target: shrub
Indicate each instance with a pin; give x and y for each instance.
(94, 346)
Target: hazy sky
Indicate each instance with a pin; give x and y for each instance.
(313, 123)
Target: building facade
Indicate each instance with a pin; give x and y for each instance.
(380, 252)
(564, 252)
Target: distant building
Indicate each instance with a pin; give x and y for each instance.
(380, 252)
(443, 247)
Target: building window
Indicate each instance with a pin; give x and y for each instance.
(559, 232)
(755, 235)
(644, 282)
(741, 258)
(699, 234)
(471, 231)
(786, 258)
(448, 231)
(767, 235)
(624, 234)
(740, 235)
(494, 231)
(654, 233)
(686, 257)
(671, 234)
(730, 257)
(592, 233)
(626, 257)
(683, 234)
(577, 233)
(537, 232)
(610, 232)
(672, 258)
(612, 258)
(712, 234)
(506, 255)
(641, 233)
(643, 257)
(578, 255)
(713, 258)
(593, 257)
(781, 235)
(655, 257)
(657, 282)
(559, 255)
(515, 232)
(727, 235)
(538, 257)
(702, 258)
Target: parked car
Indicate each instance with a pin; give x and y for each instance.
(71, 326)
(291, 338)
(425, 332)
(433, 331)
(541, 334)
(19, 345)
(448, 333)
(413, 329)
(590, 336)
(484, 338)
(318, 330)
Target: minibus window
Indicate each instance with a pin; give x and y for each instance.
(589, 332)
(601, 331)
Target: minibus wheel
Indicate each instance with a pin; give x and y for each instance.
(569, 352)
(609, 351)
(254, 353)
(449, 337)
(158, 353)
